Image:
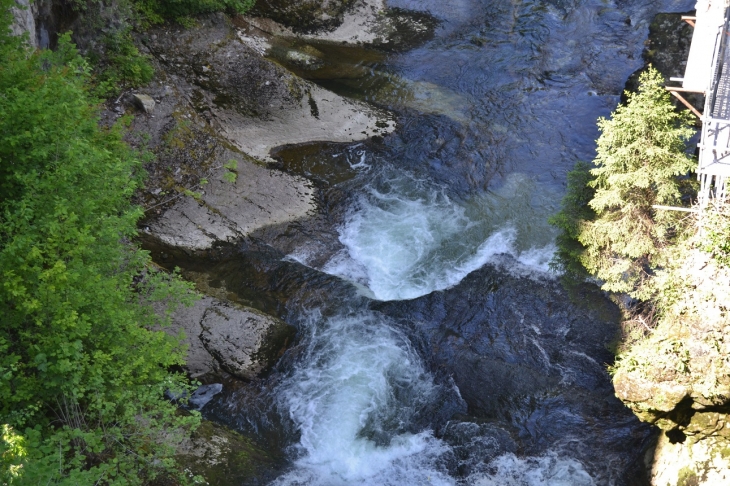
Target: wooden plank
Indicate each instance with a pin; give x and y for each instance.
(686, 103)
(685, 90)
(674, 208)
(689, 20)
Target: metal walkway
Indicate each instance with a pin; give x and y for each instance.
(714, 160)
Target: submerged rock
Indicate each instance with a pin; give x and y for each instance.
(525, 352)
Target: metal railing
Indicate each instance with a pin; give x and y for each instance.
(716, 119)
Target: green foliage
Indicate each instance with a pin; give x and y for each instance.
(156, 11)
(716, 231)
(121, 67)
(573, 211)
(230, 175)
(640, 156)
(13, 451)
(83, 362)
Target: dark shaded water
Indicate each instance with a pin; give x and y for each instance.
(434, 345)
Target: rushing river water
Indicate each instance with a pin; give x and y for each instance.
(434, 345)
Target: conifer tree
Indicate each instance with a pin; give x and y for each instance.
(640, 157)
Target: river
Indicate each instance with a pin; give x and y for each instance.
(434, 344)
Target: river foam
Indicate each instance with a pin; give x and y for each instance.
(405, 238)
(355, 400)
(547, 470)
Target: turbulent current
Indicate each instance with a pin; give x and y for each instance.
(359, 398)
(434, 344)
(407, 239)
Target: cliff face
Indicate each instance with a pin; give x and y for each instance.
(24, 21)
(678, 378)
(674, 371)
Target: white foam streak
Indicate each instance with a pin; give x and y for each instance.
(402, 248)
(352, 399)
(548, 470)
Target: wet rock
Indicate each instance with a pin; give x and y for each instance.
(475, 445)
(304, 15)
(256, 103)
(224, 102)
(227, 211)
(245, 342)
(366, 22)
(526, 352)
(229, 338)
(204, 394)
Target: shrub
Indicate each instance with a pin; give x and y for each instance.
(83, 362)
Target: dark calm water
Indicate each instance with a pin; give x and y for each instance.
(406, 371)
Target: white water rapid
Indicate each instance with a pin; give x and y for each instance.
(355, 399)
(405, 239)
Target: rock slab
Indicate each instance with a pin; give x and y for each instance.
(230, 338)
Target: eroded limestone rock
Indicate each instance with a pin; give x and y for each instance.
(222, 101)
(705, 462)
(227, 210)
(23, 21)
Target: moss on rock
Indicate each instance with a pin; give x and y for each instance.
(222, 456)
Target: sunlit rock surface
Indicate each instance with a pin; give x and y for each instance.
(224, 337)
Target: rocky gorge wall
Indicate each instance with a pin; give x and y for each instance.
(678, 378)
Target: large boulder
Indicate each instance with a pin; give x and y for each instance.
(224, 337)
(304, 15)
(220, 107)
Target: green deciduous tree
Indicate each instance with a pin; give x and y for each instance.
(83, 362)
